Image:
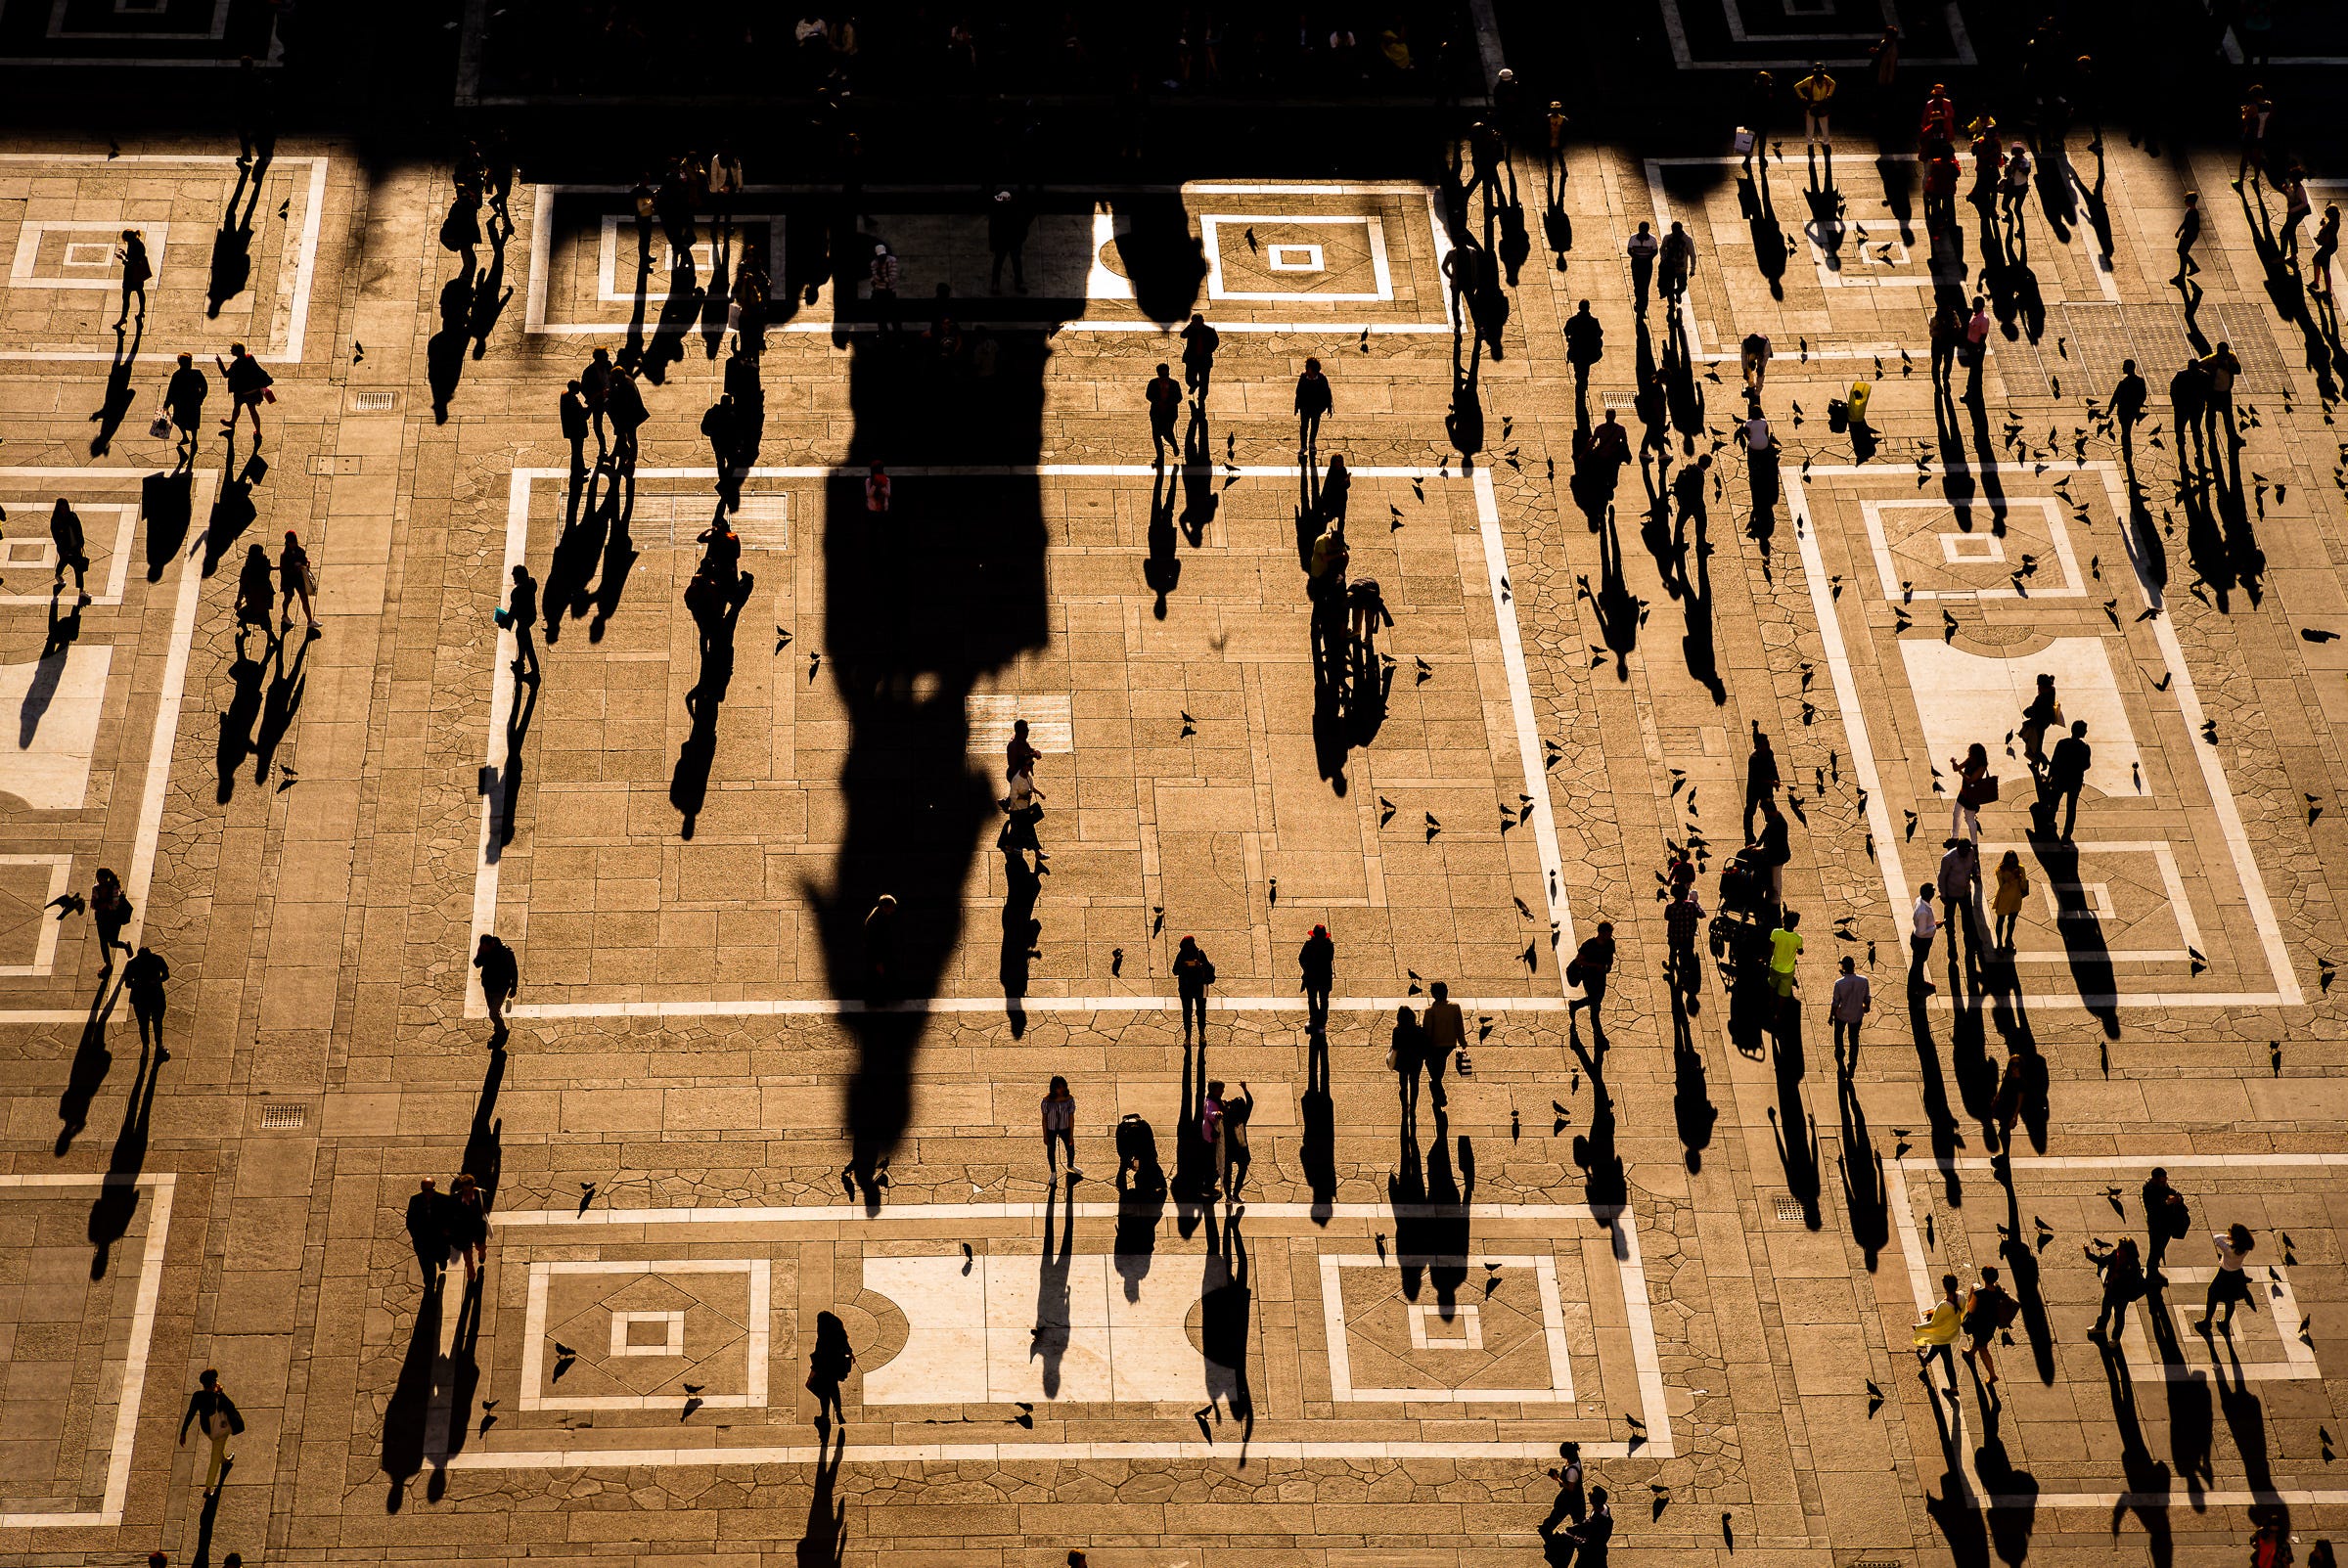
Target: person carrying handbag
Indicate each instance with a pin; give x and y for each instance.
(248, 389)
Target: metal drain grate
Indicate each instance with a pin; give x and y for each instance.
(284, 1115)
(374, 402)
(1789, 1208)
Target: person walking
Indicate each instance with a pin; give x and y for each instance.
(2230, 1286)
(183, 401)
(1674, 263)
(1236, 1113)
(1785, 956)
(1687, 490)
(594, 389)
(1585, 345)
(1948, 333)
(1210, 1134)
(1760, 778)
(428, 1230)
(1193, 974)
(2256, 114)
(2013, 188)
(1641, 248)
(1753, 352)
(1199, 345)
(1774, 848)
(721, 428)
(1313, 400)
(2014, 886)
(2123, 1275)
(1975, 789)
(1594, 1534)
(574, 413)
(142, 977)
(1976, 349)
(625, 404)
(1007, 222)
(1960, 879)
(522, 613)
(1165, 398)
(2044, 713)
(1446, 1029)
(1316, 962)
(1592, 963)
(136, 270)
(876, 492)
(2328, 245)
(110, 911)
(2295, 207)
(296, 578)
(1924, 924)
(501, 978)
(248, 389)
(72, 548)
(1936, 1335)
(2128, 399)
(1020, 813)
(885, 275)
(1848, 1008)
(1406, 1052)
(2188, 231)
(2166, 1219)
(467, 1226)
(1059, 1131)
(214, 1415)
(1684, 922)
(1988, 1312)
(2067, 775)
(1019, 754)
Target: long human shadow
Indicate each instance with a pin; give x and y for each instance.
(444, 350)
(2011, 1495)
(2193, 1419)
(463, 1370)
(92, 1061)
(1022, 932)
(1048, 1340)
(1899, 179)
(490, 295)
(409, 1408)
(1692, 1112)
(1226, 1325)
(2022, 1274)
(233, 511)
(1605, 1180)
(1760, 209)
(120, 396)
(909, 632)
(678, 312)
(822, 1543)
(1866, 1196)
(1140, 1203)
(2082, 930)
(1956, 1511)
(279, 705)
(1317, 1112)
(49, 671)
(503, 782)
(2149, 1479)
(118, 1198)
(232, 244)
(1618, 610)
(1946, 1132)
(484, 1146)
(689, 781)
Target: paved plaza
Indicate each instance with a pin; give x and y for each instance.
(776, 1269)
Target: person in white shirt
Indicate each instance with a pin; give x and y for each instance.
(1848, 1008)
(1925, 924)
(2017, 186)
(1642, 252)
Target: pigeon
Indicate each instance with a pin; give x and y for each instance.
(586, 1195)
(1515, 1127)
(2324, 974)
(1385, 811)
(1432, 827)
(1382, 1246)
(1158, 919)
(968, 1258)
(782, 639)
(358, 351)
(1275, 893)
(1117, 962)
(1416, 983)
(1397, 511)
(1874, 1399)
(2162, 684)
(1189, 727)
(2111, 608)
(815, 662)
(1911, 825)
(2112, 1195)
(2310, 634)
(565, 1356)
(1426, 671)
(66, 904)
(1252, 246)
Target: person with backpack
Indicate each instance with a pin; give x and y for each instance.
(136, 270)
(1059, 1131)
(111, 909)
(2166, 1219)
(1194, 973)
(1593, 962)
(2232, 1285)
(1988, 1312)
(1641, 250)
(2123, 1275)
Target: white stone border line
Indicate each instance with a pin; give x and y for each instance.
(59, 10)
(44, 946)
(839, 1221)
(1342, 1389)
(159, 1188)
(285, 346)
(1520, 707)
(169, 699)
(1920, 1268)
(1675, 26)
(757, 1271)
(1896, 882)
(1211, 238)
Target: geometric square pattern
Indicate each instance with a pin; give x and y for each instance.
(1504, 1341)
(587, 1318)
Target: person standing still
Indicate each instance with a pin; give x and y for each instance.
(2328, 245)
(574, 413)
(2128, 398)
(136, 270)
(469, 1226)
(1194, 973)
(1313, 400)
(1924, 924)
(1641, 250)
(1976, 349)
(1585, 345)
(1317, 961)
(2230, 1286)
(1236, 1113)
(1199, 345)
(215, 1416)
(2067, 775)
(2123, 1282)
(1849, 1008)
(1816, 94)
(501, 978)
(1059, 1131)
(1165, 398)
(1755, 355)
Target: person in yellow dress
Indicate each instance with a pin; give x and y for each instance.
(1937, 1336)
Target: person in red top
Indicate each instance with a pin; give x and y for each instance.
(1937, 129)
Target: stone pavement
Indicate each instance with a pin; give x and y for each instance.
(1695, 1253)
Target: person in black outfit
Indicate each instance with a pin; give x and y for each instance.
(522, 613)
(144, 977)
(501, 976)
(1199, 345)
(2165, 1219)
(722, 426)
(1585, 345)
(1760, 778)
(575, 422)
(2128, 411)
(1165, 398)
(1317, 958)
(183, 400)
(2067, 775)
(1313, 400)
(426, 1233)
(1006, 221)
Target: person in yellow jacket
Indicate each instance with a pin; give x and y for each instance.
(1937, 1336)
(1816, 94)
